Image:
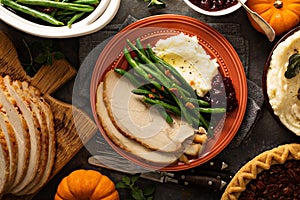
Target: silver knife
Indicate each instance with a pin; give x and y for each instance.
(125, 166)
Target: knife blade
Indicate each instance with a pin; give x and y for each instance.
(161, 177)
(224, 175)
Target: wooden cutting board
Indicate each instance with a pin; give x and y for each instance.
(73, 127)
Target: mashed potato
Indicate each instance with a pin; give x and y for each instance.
(190, 60)
(283, 92)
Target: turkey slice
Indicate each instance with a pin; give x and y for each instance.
(4, 164)
(12, 146)
(46, 121)
(140, 122)
(125, 143)
(34, 133)
(40, 125)
(19, 125)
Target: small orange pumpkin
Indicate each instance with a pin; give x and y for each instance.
(282, 15)
(86, 185)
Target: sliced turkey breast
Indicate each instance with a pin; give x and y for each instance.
(125, 143)
(4, 164)
(46, 121)
(19, 125)
(140, 122)
(12, 146)
(27, 138)
(32, 103)
(34, 133)
(50, 154)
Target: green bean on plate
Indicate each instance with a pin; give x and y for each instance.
(50, 12)
(166, 87)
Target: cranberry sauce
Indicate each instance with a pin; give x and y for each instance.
(214, 5)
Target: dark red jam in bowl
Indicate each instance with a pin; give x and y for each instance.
(214, 5)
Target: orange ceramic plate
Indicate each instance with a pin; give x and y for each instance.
(150, 30)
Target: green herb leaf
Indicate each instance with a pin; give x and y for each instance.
(58, 55)
(41, 52)
(134, 178)
(121, 185)
(156, 3)
(49, 59)
(40, 59)
(294, 66)
(138, 194)
(126, 180)
(149, 191)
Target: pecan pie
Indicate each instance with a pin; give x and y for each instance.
(275, 172)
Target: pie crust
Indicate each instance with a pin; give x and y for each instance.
(263, 161)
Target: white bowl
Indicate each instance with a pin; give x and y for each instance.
(214, 13)
(99, 18)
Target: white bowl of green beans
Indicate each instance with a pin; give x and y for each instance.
(58, 19)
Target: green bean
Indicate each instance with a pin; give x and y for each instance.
(91, 2)
(165, 115)
(148, 93)
(165, 105)
(150, 54)
(120, 71)
(153, 69)
(212, 110)
(162, 111)
(198, 101)
(55, 4)
(150, 63)
(129, 76)
(141, 55)
(204, 122)
(140, 71)
(175, 109)
(63, 12)
(74, 18)
(32, 12)
(182, 107)
(140, 46)
(134, 64)
(161, 78)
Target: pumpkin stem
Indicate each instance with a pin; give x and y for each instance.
(278, 4)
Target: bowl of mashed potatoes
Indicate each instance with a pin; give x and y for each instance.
(281, 81)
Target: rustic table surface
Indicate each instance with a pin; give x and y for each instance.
(254, 49)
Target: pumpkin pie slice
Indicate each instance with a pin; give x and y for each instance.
(261, 163)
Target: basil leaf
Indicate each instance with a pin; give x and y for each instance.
(294, 66)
